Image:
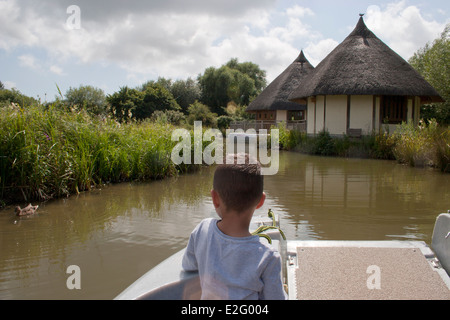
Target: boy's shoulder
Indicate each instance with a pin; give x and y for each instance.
(209, 226)
(205, 224)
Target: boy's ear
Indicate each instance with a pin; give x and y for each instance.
(261, 201)
(215, 198)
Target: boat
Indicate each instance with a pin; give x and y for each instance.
(327, 269)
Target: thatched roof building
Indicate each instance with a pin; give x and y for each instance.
(275, 95)
(361, 87)
(363, 65)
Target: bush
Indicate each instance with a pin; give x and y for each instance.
(223, 122)
(442, 144)
(425, 145)
(383, 147)
(168, 116)
(289, 139)
(7, 97)
(323, 144)
(200, 112)
(93, 100)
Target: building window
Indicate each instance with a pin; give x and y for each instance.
(295, 115)
(266, 115)
(393, 109)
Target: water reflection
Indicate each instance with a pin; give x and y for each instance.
(354, 199)
(114, 235)
(119, 232)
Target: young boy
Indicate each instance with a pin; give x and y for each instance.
(232, 263)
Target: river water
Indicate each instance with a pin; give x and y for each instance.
(117, 233)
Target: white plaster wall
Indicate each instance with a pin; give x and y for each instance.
(310, 116)
(319, 113)
(361, 111)
(336, 117)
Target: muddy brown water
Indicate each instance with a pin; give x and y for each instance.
(117, 233)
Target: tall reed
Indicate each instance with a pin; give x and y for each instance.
(418, 146)
(423, 145)
(49, 152)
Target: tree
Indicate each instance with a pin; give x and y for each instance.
(8, 96)
(234, 81)
(156, 97)
(140, 104)
(2, 86)
(89, 98)
(124, 103)
(252, 70)
(163, 82)
(433, 63)
(185, 92)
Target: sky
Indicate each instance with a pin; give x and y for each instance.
(109, 44)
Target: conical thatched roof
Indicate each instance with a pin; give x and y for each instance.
(275, 95)
(363, 65)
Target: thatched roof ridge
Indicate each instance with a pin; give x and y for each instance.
(275, 95)
(364, 65)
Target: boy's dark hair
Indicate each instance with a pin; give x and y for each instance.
(239, 182)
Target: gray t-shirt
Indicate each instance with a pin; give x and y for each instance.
(232, 268)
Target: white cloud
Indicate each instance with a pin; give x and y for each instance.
(299, 12)
(56, 70)
(157, 39)
(28, 61)
(148, 39)
(402, 27)
(13, 31)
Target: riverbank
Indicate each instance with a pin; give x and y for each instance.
(48, 153)
(421, 146)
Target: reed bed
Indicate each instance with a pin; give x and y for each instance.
(47, 152)
(425, 145)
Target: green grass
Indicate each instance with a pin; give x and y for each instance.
(48, 153)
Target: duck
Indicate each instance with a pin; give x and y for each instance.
(27, 211)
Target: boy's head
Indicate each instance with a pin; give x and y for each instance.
(239, 182)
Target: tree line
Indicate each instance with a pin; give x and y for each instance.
(216, 97)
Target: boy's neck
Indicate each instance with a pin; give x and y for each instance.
(235, 225)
